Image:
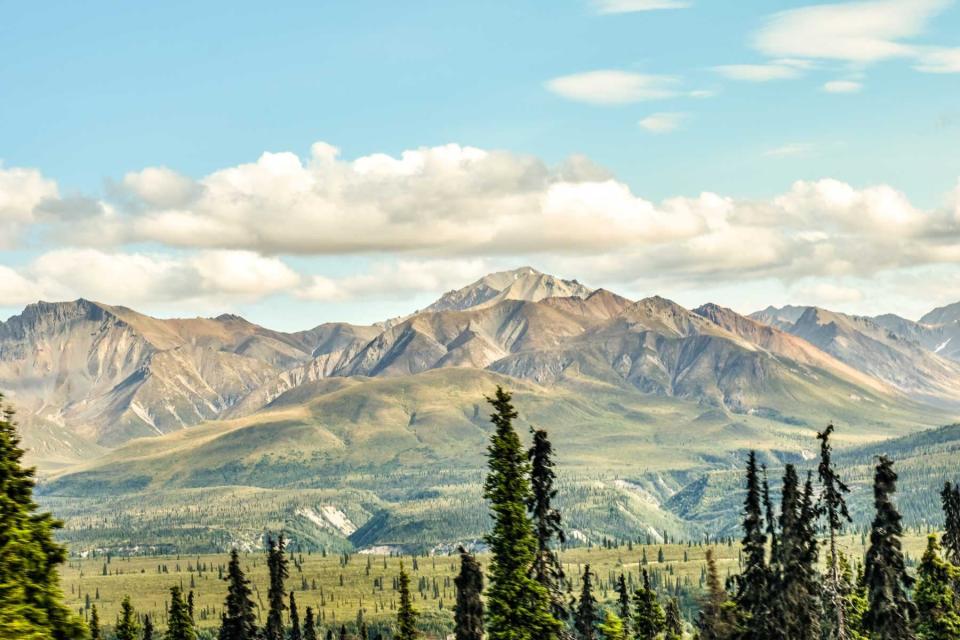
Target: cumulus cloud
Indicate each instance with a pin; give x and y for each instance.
(663, 122)
(613, 87)
(396, 279)
(632, 6)
(22, 191)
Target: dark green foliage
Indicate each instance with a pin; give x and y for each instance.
(294, 620)
(179, 624)
(648, 616)
(518, 607)
(890, 611)
(309, 625)
(128, 627)
(623, 601)
(586, 616)
(94, 624)
(547, 569)
(753, 584)
(276, 593)
(406, 614)
(950, 499)
(833, 506)
(673, 626)
(31, 603)
(239, 621)
(147, 628)
(798, 593)
(938, 617)
(468, 616)
(718, 616)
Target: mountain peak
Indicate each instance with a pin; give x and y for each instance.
(524, 283)
(943, 315)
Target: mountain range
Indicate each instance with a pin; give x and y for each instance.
(641, 397)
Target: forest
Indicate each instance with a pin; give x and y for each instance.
(791, 575)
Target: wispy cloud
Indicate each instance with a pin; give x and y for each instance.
(759, 72)
(663, 122)
(842, 86)
(792, 150)
(633, 6)
(612, 87)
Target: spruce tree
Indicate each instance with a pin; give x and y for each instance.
(128, 626)
(147, 628)
(94, 624)
(276, 593)
(294, 620)
(31, 603)
(585, 619)
(718, 619)
(950, 497)
(890, 612)
(239, 622)
(518, 607)
(753, 597)
(612, 627)
(309, 625)
(938, 617)
(833, 506)
(406, 614)
(547, 569)
(673, 627)
(623, 602)
(468, 616)
(648, 616)
(179, 624)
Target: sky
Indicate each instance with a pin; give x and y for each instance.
(308, 162)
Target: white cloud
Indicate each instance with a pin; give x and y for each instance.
(663, 122)
(939, 60)
(161, 187)
(842, 86)
(759, 72)
(826, 294)
(397, 279)
(613, 87)
(21, 192)
(860, 32)
(632, 6)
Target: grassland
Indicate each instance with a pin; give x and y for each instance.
(338, 586)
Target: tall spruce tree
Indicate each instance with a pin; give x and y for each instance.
(718, 619)
(753, 598)
(950, 497)
(648, 616)
(623, 603)
(938, 617)
(309, 625)
(673, 625)
(547, 568)
(468, 616)
(239, 621)
(890, 611)
(406, 614)
(276, 593)
(586, 617)
(94, 624)
(31, 603)
(518, 607)
(128, 626)
(179, 624)
(833, 506)
(147, 628)
(295, 633)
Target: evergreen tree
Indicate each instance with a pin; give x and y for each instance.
(179, 625)
(938, 617)
(518, 607)
(753, 586)
(239, 622)
(833, 506)
(147, 628)
(890, 611)
(94, 624)
(128, 627)
(718, 617)
(468, 616)
(585, 619)
(798, 596)
(406, 614)
(276, 593)
(673, 628)
(31, 603)
(648, 616)
(309, 625)
(547, 569)
(950, 497)
(294, 620)
(623, 603)
(612, 627)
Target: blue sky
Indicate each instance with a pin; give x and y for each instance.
(741, 100)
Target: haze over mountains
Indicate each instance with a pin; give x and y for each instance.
(118, 403)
